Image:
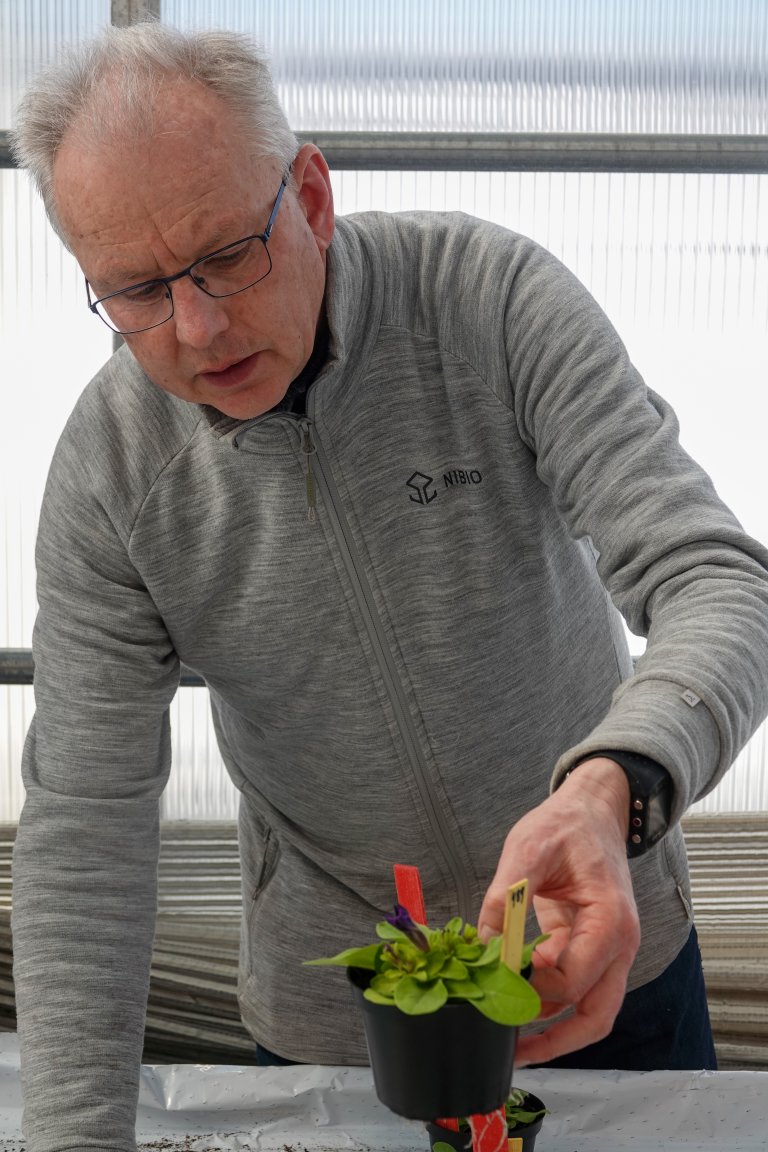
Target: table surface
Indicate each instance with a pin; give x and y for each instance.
(309, 1108)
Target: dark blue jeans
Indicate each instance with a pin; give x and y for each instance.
(663, 1025)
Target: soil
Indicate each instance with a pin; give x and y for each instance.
(193, 1144)
(185, 1144)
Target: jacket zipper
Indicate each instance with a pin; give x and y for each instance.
(323, 477)
(309, 449)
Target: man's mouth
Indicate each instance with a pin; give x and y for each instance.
(232, 374)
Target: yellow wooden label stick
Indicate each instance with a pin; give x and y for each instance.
(513, 935)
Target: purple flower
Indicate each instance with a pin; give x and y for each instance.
(401, 918)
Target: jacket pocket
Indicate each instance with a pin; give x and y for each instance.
(259, 859)
(676, 859)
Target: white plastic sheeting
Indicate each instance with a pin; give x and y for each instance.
(493, 65)
(199, 1108)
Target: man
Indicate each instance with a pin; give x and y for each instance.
(362, 474)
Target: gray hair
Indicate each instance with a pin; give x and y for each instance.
(105, 88)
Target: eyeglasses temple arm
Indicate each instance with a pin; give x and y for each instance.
(275, 206)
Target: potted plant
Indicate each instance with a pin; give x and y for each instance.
(524, 1115)
(441, 1012)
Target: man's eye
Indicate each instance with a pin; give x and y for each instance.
(227, 259)
(149, 293)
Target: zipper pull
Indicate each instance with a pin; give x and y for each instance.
(308, 448)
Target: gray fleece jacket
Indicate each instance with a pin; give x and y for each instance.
(405, 606)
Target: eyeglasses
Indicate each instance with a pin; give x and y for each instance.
(225, 272)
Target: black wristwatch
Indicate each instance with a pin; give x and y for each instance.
(650, 798)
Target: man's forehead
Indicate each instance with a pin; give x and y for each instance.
(190, 144)
(144, 210)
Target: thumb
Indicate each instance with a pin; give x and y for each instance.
(491, 919)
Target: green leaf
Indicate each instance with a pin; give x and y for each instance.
(507, 997)
(400, 955)
(469, 952)
(376, 997)
(433, 962)
(435, 939)
(384, 983)
(517, 1109)
(516, 1099)
(463, 989)
(441, 1146)
(491, 953)
(454, 970)
(521, 1118)
(352, 957)
(387, 931)
(530, 948)
(417, 999)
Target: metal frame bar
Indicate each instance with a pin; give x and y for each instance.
(125, 12)
(526, 152)
(17, 667)
(540, 152)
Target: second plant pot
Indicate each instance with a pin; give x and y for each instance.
(453, 1062)
(521, 1138)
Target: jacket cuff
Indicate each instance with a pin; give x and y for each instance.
(665, 722)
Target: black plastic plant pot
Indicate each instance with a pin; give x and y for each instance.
(453, 1062)
(522, 1138)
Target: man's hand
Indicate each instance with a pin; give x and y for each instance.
(572, 849)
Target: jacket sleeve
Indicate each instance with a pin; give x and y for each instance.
(673, 558)
(85, 862)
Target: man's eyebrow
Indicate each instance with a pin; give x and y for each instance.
(118, 278)
(221, 237)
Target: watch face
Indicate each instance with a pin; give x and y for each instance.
(657, 816)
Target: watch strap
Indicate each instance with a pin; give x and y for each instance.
(650, 797)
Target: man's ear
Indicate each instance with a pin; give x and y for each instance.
(312, 182)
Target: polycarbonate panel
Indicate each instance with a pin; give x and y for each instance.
(199, 787)
(508, 65)
(48, 350)
(50, 346)
(680, 263)
(32, 32)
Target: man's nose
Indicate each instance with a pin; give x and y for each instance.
(199, 318)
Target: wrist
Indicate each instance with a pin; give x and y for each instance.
(602, 782)
(649, 794)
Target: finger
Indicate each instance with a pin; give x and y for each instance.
(548, 952)
(598, 943)
(490, 922)
(550, 1008)
(592, 1021)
